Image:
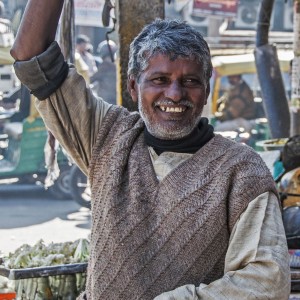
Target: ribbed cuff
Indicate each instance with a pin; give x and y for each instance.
(45, 73)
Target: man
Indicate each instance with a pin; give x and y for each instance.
(236, 107)
(82, 44)
(177, 212)
(82, 68)
(104, 80)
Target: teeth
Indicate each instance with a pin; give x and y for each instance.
(172, 109)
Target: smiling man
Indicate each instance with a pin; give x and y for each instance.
(178, 212)
(171, 95)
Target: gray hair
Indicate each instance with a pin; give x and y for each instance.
(173, 38)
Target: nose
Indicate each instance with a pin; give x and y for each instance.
(174, 91)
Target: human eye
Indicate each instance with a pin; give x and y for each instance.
(159, 80)
(191, 82)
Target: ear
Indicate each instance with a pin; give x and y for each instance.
(207, 92)
(132, 88)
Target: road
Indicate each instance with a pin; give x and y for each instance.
(29, 213)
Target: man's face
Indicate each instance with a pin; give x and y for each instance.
(234, 79)
(171, 96)
(81, 48)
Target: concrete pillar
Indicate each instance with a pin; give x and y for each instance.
(131, 17)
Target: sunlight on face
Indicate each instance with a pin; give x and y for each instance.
(171, 95)
(166, 131)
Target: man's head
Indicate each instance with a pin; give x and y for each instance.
(172, 38)
(107, 50)
(168, 74)
(82, 42)
(235, 79)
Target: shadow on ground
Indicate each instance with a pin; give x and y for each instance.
(26, 205)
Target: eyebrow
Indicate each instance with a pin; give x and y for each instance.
(160, 73)
(156, 73)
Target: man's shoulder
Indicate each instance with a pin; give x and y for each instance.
(235, 150)
(242, 163)
(121, 116)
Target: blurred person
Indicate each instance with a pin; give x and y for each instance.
(236, 107)
(90, 48)
(4, 20)
(82, 68)
(83, 48)
(2, 9)
(98, 59)
(104, 80)
(178, 212)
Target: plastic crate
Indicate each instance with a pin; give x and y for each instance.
(7, 295)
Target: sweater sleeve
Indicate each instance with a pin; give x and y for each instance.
(70, 110)
(257, 259)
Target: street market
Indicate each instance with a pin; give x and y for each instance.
(254, 53)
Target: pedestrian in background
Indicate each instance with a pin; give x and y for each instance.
(236, 108)
(82, 47)
(104, 80)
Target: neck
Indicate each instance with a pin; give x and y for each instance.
(189, 144)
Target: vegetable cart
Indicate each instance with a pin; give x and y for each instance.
(42, 272)
(50, 282)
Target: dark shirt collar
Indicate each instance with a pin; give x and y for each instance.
(203, 133)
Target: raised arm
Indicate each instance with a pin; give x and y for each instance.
(37, 29)
(69, 109)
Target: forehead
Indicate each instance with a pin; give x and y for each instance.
(161, 63)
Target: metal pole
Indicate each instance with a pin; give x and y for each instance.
(295, 97)
(269, 75)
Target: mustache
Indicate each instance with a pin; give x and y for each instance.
(169, 102)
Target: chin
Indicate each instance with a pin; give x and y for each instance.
(169, 133)
(169, 130)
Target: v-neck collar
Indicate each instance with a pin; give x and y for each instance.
(199, 160)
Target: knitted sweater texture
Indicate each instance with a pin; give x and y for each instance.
(149, 237)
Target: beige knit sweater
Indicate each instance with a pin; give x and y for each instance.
(149, 236)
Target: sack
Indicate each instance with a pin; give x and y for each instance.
(291, 223)
(290, 155)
